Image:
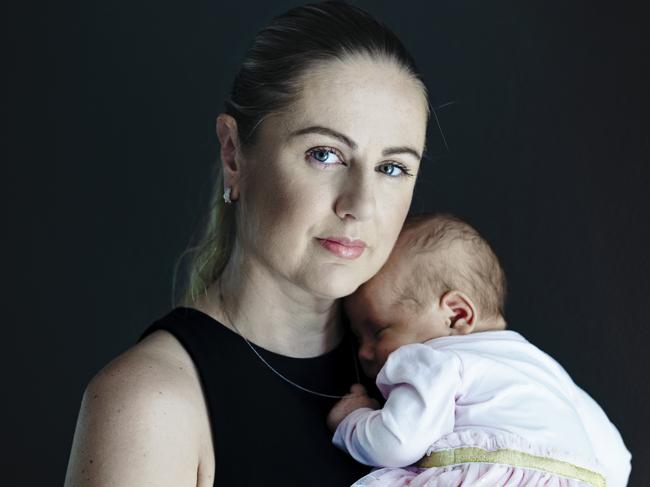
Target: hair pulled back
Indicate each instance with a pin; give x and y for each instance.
(269, 81)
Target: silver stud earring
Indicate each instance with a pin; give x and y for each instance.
(226, 195)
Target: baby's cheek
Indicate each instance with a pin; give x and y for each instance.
(383, 351)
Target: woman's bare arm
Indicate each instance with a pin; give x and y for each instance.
(137, 426)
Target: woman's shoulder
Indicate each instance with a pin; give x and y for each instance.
(155, 367)
(142, 417)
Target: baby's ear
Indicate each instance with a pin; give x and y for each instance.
(459, 312)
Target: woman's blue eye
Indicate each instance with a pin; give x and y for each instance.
(403, 171)
(322, 155)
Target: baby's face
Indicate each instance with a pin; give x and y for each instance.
(383, 323)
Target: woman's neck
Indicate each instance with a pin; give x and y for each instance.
(273, 313)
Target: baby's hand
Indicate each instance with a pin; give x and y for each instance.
(357, 398)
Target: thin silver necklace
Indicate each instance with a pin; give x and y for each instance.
(286, 379)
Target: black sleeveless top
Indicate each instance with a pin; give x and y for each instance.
(264, 430)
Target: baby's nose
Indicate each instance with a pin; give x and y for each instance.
(366, 353)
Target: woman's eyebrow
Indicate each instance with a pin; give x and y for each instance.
(317, 129)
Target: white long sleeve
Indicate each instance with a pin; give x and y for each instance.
(606, 440)
(420, 385)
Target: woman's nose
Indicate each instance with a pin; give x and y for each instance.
(357, 198)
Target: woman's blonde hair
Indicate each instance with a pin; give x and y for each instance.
(210, 256)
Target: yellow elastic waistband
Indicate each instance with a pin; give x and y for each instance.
(444, 458)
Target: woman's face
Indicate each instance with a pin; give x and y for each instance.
(342, 163)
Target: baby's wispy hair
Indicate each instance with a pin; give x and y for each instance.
(447, 254)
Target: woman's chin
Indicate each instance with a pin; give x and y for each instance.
(334, 287)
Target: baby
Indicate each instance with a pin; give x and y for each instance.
(467, 401)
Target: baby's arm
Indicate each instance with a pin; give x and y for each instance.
(420, 385)
(357, 398)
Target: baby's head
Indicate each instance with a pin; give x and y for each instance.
(442, 278)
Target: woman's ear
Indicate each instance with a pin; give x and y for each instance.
(459, 312)
(230, 153)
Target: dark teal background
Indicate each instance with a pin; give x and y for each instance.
(111, 109)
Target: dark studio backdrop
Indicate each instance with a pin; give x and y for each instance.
(112, 107)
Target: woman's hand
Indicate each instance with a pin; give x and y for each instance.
(357, 398)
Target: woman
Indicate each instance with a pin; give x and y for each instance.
(321, 143)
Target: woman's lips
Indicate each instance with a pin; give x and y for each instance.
(351, 250)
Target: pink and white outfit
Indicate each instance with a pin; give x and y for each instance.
(493, 410)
